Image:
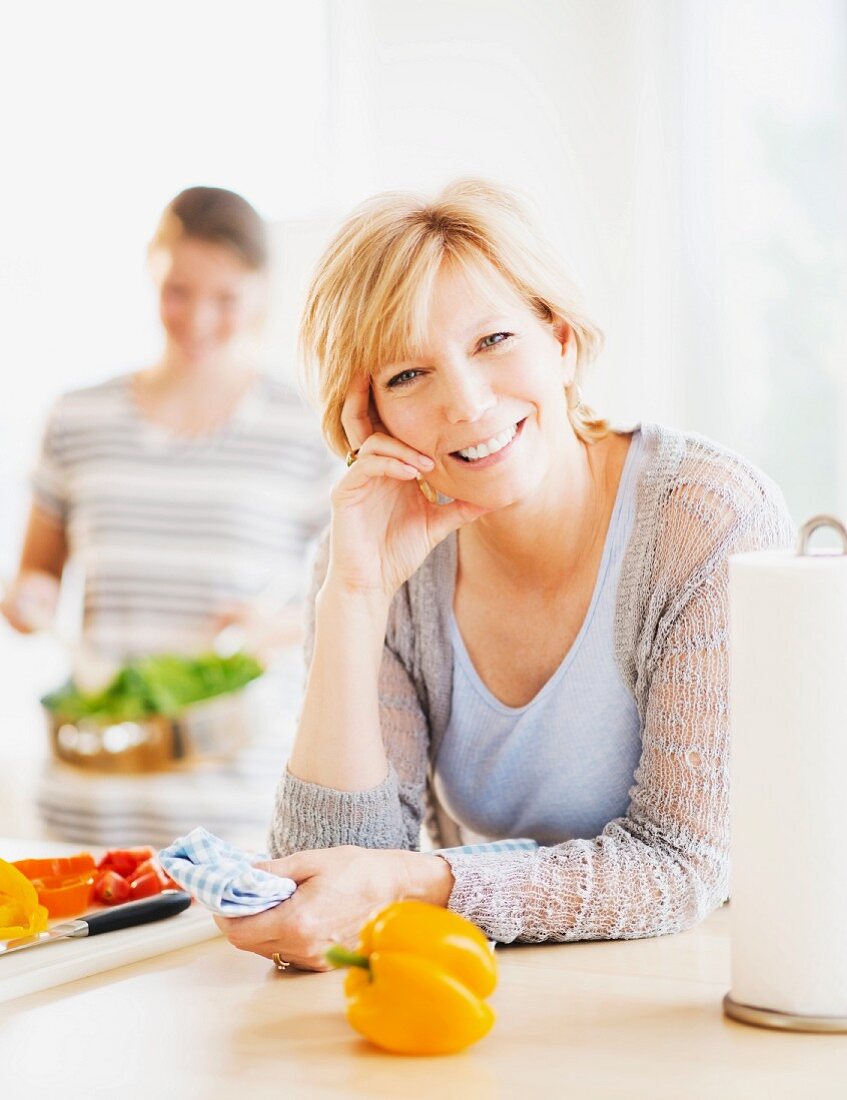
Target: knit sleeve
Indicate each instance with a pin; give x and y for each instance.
(665, 865)
(307, 815)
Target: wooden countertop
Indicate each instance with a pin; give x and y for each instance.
(631, 1019)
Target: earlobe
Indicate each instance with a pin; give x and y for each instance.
(564, 333)
(565, 336)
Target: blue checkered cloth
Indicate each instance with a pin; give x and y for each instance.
(222, 878)
(490, 847)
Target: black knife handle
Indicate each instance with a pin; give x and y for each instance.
(166, 904)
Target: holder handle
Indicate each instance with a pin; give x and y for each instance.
(812, 525)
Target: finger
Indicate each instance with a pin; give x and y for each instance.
(381, 444)
(373, 412)
(299, 958)
(256, 932)
(369, 467)
(288, 929)
(297, 866)
(229, 614)
(446, 518)
(355, 412)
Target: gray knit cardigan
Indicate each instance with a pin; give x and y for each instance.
(663, 866)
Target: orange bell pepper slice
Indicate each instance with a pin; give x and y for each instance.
(63, 884)
(65, 896)
(61, 865)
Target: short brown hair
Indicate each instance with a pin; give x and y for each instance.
(368, 299)
(218, 216)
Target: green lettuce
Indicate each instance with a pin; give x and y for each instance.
(156, 685)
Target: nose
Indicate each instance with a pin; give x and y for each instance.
(200, 318)
(467, 395)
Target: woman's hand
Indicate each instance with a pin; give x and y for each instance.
(29, 603)
(383, 526)
(338, 890)
(263, 634)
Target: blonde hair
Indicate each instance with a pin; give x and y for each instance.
(368, 300)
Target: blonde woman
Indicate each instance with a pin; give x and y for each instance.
(540, 651)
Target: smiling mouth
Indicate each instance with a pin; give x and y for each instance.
(490, 446)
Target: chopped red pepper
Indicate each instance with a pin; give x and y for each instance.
(153, 867)
(111, 888)
(125, 861)
(145, 886)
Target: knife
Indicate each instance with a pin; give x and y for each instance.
(166, 904)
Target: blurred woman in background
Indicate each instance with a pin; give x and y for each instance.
(182, 491)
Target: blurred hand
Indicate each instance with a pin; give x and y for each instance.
(338, 891)
(262, 634)
(30, 601)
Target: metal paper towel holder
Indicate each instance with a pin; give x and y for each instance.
(765, 1017)
(812, 525)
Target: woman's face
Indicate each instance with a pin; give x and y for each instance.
(207, 298)
(484, 398)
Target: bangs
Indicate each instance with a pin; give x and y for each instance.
(493, 285)
(400, 329)
(395, 329)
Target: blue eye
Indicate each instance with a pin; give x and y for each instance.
(494, 339)
(403, 378)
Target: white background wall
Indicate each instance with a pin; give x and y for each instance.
(688, 158)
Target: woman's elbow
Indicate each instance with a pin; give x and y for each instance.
(707, 888)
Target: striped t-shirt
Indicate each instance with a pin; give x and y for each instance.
(170, 531)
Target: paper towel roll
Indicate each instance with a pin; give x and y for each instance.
(788, 900)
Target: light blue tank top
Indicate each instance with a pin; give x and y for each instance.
(562, 765)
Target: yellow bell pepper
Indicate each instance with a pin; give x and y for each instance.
(20, 913)
(418, 981)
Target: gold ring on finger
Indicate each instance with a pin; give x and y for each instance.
(279, 963)
(352, 456)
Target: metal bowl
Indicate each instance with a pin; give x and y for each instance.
(214, 729)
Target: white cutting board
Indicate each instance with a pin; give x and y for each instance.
(54, 964)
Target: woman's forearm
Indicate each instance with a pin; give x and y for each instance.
(45, 548)
(339, 742)
(30, 601)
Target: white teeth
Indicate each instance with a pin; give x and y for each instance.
(491, 446)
